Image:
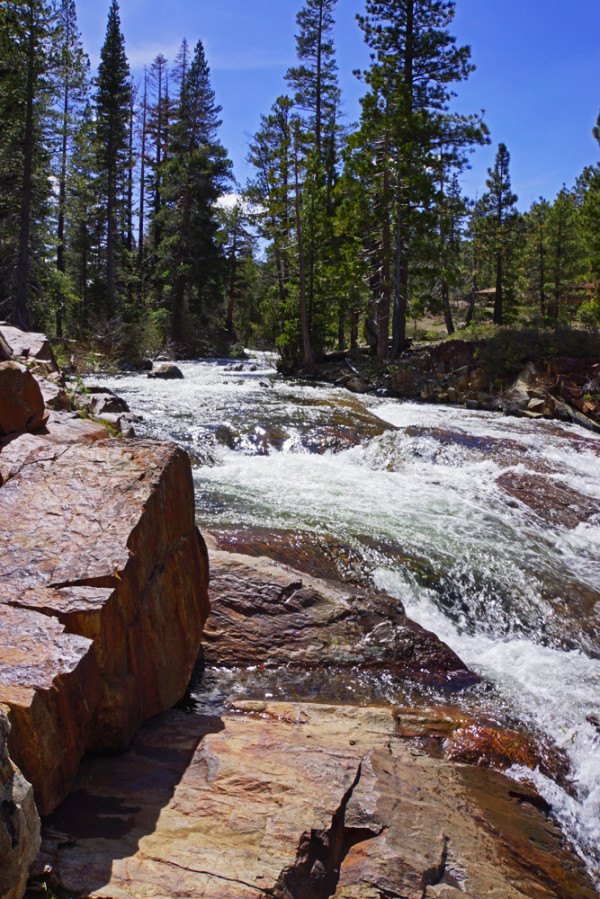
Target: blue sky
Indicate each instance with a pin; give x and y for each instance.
(537, 76)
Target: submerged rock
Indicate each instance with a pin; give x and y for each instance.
(166, 373)
(288, 800)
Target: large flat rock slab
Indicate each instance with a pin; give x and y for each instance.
(98, 539)
(264, 613)
(293, 801)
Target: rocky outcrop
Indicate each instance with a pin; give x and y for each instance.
(166, 373)
(5, 350)
(29, 345)
(294, 801)
(103, 574)
(21, 401)
(266, 614)
(19, 823)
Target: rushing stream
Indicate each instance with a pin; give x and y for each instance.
(413, 493)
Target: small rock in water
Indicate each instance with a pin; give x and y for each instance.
(166, 373)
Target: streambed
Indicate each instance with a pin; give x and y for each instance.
(433, 505)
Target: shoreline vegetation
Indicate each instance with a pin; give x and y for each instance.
(122, 224)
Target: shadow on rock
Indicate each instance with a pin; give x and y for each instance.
(117, 801)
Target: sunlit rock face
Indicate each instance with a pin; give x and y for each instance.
(103, 597)
(19, 823)
(299, 801)
(266, 614)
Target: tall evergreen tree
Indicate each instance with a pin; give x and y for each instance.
(72, 90)
(196, 174)
(314, 82)
(499, 220)
(113, 102)
(270, 154)
(26, 29)
(406, 120)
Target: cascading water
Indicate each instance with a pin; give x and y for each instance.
(420, 495)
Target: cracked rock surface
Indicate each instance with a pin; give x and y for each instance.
(103, 594)
(294, 801)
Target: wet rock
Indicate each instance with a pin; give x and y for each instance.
(166, 373)
(21, 400)
(452, 733)
(104, 546)
(226, 437)
(262, 613)
(29, 345)
(556, 504)
(357, 385)
(19, 823)
(326, 558)
(101, 403)
(265, 438)
(290, 800)
(331, 439)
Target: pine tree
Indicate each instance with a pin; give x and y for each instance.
(270, 154)
(72, 89)
(196, 174)
(406, 118)
(26, 28)
(499, 220)
(535, 256)
(317, 95)
(113, 102)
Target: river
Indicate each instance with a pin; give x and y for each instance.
(412, 492)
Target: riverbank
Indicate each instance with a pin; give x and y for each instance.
(292, 736)
(527, 374)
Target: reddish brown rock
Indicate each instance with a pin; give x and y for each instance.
(326, 557)
(21, 401)
(556, 504)
(29, 345)
(60, 428)
(105, 545)
(265, 614)
(19, 823)
(301, 802)
(50, 685)
(452, 733)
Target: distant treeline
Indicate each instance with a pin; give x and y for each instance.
(120, 219)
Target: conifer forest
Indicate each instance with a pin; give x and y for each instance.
(121, 223)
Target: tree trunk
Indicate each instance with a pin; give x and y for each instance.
(140, 262)
(383, 306)
(62, 199)
(232, 274)
(446, 304)
(309, 362)
(22, 313)
(498, 297)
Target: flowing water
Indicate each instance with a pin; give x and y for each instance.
(412, 492)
